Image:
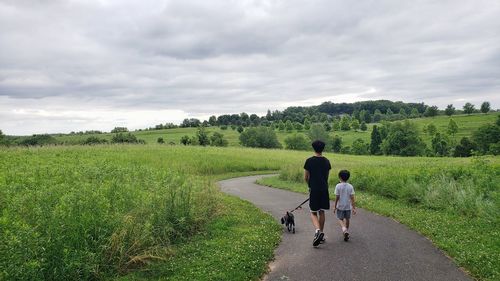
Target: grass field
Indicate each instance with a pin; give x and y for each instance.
(150, 211)
(466, 125)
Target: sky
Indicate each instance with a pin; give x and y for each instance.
(72, 65)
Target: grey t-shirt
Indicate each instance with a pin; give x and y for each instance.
(344, 190)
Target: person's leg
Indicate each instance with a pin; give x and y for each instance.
(318, 234)
(342, 225)
(347, 220)
(340, 216)
(321, 220)
(315, 220)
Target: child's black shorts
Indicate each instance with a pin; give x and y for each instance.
(319, 200)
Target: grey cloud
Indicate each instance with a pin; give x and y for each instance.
(210, 57)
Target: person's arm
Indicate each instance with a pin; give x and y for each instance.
(306, 176)
(353, 204)
(337, 197)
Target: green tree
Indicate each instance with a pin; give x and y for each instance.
(318, 132)
(485, 136)
(185, 140)
(240, 129)
(297, 142)
(403, 140)
(202, 136)
(336, 143)
(414, 113)
(289, 126)
(327, 126)
(297, 126)
(377, 116)
(344, 123)
(160, 140)
(450, 110)
(336, 125)
(3, 139)
(259, 137)
(119, 130)
(402, 112)
(212, 120)
(94, 140)
(355, 114)
(193, 140)
(389, 112)
(281, 125)
(307, 124)
(363, 126)
(431, 111)
(355, 124)
(431, 129)
(464, 148)
(359, 147)
(469, 108)
(452, 127)
(376, 141)
(485, 107)
(440, 145)
(365, 116)
(125, 138)
(217, 139)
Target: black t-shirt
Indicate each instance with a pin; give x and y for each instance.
(319, 168)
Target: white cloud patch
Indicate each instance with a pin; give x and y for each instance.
(172, 59)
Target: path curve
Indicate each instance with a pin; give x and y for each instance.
(380, 248)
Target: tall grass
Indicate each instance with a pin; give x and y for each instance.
(470, 187)
(91, 213)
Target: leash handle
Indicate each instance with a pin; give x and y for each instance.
(299, 206)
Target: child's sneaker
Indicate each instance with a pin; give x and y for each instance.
(346, 236)
(317, 238)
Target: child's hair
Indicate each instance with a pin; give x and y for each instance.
(344, 175)
(318, 146)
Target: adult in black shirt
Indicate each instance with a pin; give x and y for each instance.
(316, 170)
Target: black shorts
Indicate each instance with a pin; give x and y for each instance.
(319, 200)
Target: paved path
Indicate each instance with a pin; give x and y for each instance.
(380, 248)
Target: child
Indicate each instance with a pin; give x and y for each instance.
(344, 202)
(316, 170)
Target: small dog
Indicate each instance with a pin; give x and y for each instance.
(289, 221)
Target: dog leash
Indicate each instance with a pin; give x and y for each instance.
(300, 206)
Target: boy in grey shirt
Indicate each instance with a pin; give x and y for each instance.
(344, 202)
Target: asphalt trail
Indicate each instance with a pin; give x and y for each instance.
(379, 249)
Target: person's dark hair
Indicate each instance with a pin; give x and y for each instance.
(344, 175)
(318, 146)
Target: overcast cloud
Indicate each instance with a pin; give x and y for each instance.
(70, 65)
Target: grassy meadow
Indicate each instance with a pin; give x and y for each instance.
(466, 125)
(137, 212)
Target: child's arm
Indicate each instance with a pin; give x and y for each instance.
(353, 204)
(337, 197)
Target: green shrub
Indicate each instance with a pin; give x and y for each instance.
(39, 140)
(297, 142)
(259, 137)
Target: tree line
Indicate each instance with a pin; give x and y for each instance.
(390, 138)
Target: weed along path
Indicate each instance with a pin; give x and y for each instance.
(379, 248)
